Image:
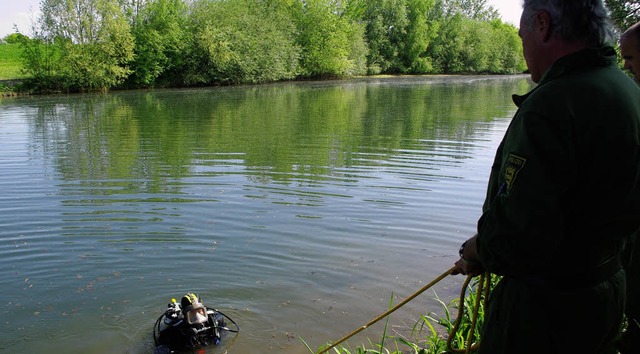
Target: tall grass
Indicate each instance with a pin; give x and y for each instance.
(10, 62)
(430, 331)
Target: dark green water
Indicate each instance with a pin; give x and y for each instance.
(297, 209)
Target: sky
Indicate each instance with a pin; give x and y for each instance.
(20, 12)
(510, 10)
(17, 12)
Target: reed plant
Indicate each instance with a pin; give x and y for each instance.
(431, 331)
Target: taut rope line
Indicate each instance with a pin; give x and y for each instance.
(423, 289)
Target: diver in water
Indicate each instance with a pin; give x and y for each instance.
(189, 325)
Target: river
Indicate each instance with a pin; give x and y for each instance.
(297, 209)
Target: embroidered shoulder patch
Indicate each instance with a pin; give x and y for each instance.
(513, 166)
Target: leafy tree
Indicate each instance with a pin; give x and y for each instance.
(332, 44)
(471, 9)
(446, 49)
(92, 39)
(40, 60)
(624, 13)
(161, 38)
(469, 45)
(476, 46)
(506, 54)
(420, 33)
(133, 8)
(242, 41)
(14, 38)
(399, 33)
(387, 23)
(354, 9)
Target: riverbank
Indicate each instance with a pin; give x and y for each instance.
(10, 88)
(16, 87)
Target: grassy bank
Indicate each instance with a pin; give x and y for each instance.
(10, 69)
(10, 63)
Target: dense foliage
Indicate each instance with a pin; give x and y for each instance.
(624, 13)
(80, 45)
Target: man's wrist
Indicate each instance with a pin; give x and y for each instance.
(461, 250)
(464, 258)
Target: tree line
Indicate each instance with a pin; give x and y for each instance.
(86, 45)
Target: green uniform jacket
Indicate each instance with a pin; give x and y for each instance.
(564, 190)
(563, 198)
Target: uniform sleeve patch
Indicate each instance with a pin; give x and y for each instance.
(513, 166)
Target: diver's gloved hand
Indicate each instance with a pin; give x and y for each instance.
(163, 349)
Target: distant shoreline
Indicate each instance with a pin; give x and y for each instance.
(383, 78)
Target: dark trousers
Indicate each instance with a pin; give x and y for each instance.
(535, 317)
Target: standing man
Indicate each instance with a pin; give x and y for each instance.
(564, 192)
(630, 344)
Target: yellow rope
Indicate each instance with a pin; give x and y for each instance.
(482, 292)
(433, 282)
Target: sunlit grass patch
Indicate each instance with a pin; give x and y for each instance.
(10, 62)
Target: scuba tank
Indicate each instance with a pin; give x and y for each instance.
(188, 325)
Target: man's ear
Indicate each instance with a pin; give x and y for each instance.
(543, 25)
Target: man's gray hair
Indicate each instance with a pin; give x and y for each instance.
(573, 20)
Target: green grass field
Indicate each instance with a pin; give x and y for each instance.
(10, 63)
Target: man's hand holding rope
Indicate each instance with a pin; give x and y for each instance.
(469, 263)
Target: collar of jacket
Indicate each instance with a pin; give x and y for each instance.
(580, 60)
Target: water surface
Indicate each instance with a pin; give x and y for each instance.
(297, 209)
